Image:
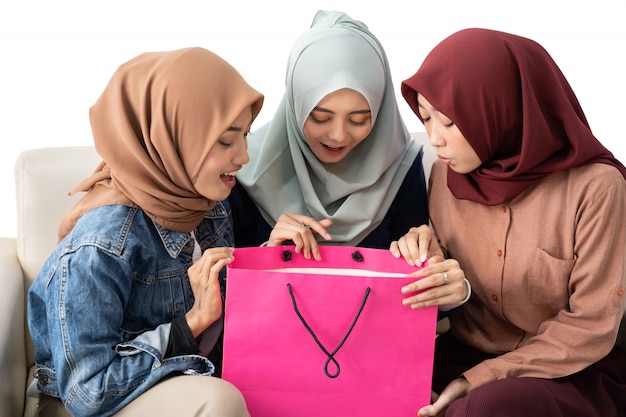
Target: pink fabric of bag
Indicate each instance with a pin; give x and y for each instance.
(326, 338)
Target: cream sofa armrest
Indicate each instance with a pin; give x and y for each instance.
(13, 367)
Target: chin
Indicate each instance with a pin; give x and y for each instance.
(332, 159)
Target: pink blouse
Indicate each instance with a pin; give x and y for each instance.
(547, 271)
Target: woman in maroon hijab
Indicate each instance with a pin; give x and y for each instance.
(528, 204)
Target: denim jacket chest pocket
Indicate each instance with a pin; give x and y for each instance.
(161, 288)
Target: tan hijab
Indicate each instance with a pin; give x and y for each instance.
(153, 126)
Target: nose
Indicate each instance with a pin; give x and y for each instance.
(242, 157)
(436, 136)
(338, 132)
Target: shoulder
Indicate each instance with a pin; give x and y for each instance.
(598, 173)
(438, 174)
(599, 182)
(112, 228)
(588, 181)
(413, 187)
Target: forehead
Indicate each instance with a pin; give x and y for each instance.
(344, 98)
(242, 122)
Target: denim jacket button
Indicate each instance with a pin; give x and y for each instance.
(43, 379)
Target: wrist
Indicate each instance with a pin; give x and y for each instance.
(468, 289)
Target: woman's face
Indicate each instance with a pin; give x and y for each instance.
(451, 146)
(339, 122)
(227, 156)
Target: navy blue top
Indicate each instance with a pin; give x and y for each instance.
(409, 208)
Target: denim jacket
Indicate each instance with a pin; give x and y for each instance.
(101, 308)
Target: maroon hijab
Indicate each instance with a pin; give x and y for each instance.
(514, 107)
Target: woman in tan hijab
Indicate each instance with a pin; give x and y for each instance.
(126, 312)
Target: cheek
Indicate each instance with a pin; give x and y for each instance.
(207, 170)
(470, 160)
(359, 133)
(312, 131)
(368, 130)
(474, 160)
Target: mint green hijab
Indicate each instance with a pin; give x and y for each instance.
(284, 175)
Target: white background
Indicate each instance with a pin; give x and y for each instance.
(57, 56)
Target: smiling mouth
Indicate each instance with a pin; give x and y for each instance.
(333, 148)
(229, 178)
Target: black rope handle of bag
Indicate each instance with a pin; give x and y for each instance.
(330, 355)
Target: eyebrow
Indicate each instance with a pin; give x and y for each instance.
(323, 110)
(237, 128)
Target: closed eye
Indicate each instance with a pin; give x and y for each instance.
(316, 120)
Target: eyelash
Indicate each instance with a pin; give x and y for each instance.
(230, 145)
(319, 122)
(427, 119)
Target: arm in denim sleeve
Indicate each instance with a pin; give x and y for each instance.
(97, 371)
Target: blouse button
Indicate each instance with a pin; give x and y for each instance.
(499, 253)
(494, 297)
(620, 292)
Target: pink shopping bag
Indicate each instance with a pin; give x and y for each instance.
(326, 338)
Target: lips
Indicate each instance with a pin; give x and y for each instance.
(444, 159)
(228, 178)
(333, 148)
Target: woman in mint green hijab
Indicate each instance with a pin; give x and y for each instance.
(336, 164)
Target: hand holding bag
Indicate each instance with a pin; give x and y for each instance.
(326, 338)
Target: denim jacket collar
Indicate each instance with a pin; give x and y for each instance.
(174, 241)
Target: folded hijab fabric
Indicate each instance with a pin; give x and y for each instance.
(284, 175)
(153, 126)
(514, 107)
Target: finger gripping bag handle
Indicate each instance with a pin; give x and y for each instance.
(375, 261)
